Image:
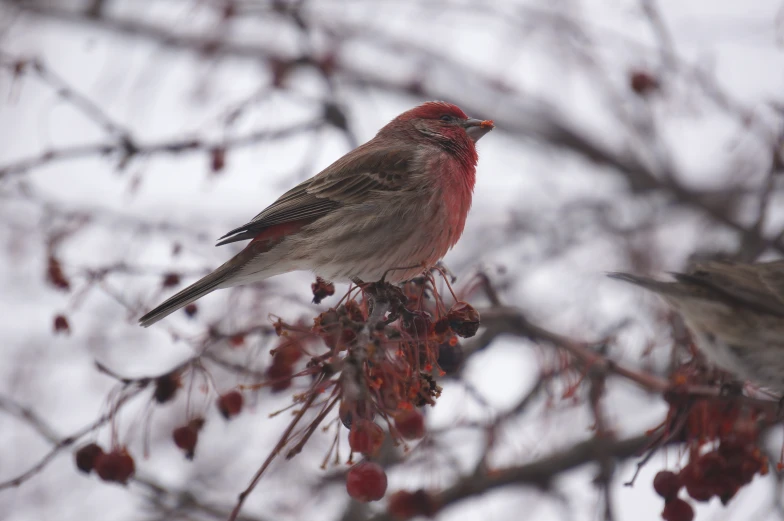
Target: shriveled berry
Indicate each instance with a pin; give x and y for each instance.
(230, 404)
(677, 510)
(365, 437)
(366, 481)
(185, 438)
(464, 319)
(442, 325)
(86, 456)
(418, 324)
(410, 424)
(166, 387)
(115, 466)
(321, 290)
(407, 505)
(667, 484)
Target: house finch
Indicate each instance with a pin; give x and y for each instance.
(392, 207)
(736, 313)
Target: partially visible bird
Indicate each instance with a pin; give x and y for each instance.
(736, 313)
(389, 208)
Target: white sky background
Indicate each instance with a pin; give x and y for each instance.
(162, 94)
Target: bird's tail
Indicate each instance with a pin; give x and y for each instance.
(193, 292)
(645, 282)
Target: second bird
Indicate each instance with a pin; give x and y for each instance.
(393, 206)
(736, 313)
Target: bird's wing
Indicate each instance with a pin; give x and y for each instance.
(772, 275)
(347, 181)
(758, 286)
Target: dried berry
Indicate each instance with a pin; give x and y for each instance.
(115, 466)
(86, 456)
(366, 481)
(463, 319)
(441, 326)
(410, 424)
(166, 387)
(230, 404)
(321, 290)
(418, 324)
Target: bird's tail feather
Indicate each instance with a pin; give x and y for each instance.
(193, 292)
(645, 282)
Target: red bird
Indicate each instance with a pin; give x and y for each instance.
(393, 206)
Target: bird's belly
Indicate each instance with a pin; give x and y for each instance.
(761, 365)
(394, 241)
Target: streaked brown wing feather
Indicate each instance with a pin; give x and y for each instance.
(743, 283)
(346, 181)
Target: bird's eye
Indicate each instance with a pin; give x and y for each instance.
(446, 118)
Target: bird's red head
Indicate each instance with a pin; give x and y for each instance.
(444, 123)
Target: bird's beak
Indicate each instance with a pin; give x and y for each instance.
(476, 128)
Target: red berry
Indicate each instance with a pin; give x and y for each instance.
(699, 491)
(230, 404)
(217, 159)
(366, 481)
(410, 424)
(288, 353)
(667, 484)
(61, 324)
(450, 356)
(116, 466)
(407, 505)
(191, 310)
(170, 280)
(365, 437)
(86, 456)
(677, 510)
(185, 438)
(55, 275)
(279, 376)
(643, 83)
